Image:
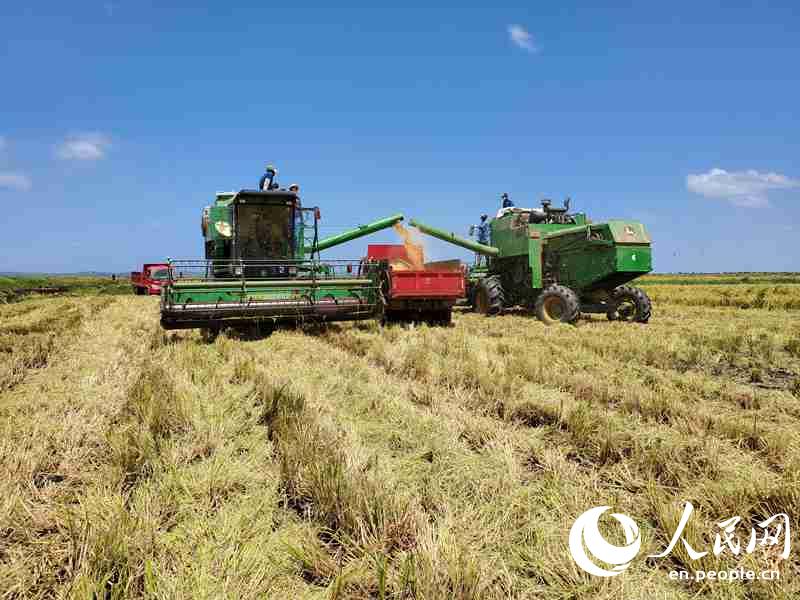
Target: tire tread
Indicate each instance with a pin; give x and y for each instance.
(573, 305)
(644, 307)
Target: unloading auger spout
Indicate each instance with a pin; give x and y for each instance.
(355, 233)
(454, 239)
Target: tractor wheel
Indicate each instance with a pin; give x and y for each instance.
(489, 296)
(630, 304)
(557, 304)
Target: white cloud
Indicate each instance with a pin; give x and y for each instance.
(522, 38)
(15, 181)
(741, 188)
(84, 146)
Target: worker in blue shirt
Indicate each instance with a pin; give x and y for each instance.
(481, 232)
(267, 181)
(507, 203)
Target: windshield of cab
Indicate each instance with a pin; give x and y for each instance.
(265, 231)
(160, 274)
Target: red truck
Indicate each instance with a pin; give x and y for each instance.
(418, 292)
(149, 280)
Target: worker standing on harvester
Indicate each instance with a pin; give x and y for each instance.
(481, 232)
(507, 205)
(267, 181)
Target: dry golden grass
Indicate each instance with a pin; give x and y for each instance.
(761, 295)
(360, 462)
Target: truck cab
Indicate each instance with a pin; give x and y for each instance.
(150, 279)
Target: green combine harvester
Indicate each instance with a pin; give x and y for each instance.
(558, 264)
(262, 267)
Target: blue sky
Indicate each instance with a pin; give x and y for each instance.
(119, 120)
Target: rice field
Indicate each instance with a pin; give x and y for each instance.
(352, 461)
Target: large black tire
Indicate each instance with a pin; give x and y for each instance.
(489, 296)
(557, 304)
(630, 304)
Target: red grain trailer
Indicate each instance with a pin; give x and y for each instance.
(418, 292)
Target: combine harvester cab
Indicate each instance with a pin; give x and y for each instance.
(262, 267)
(558, 264)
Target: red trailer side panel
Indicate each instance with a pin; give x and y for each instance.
(427, 284)
(436, 286)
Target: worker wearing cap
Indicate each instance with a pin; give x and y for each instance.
(267, 181)
(481, 232)
(295, 188)
(507, 205)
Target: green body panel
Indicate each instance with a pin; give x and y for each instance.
(535, 261)
(601, 255)
(634, 259)
(509, 236)
(222, 219)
